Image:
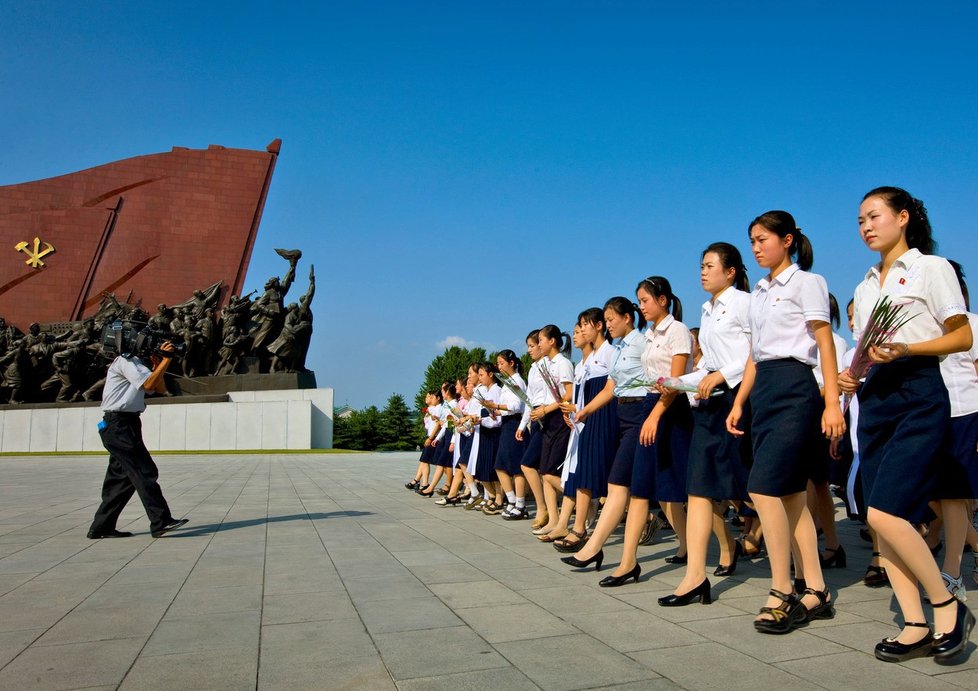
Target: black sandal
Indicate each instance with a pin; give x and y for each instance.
(746, 539)
(787, 616)
(875, 575)
(824, 609)
(563, 545)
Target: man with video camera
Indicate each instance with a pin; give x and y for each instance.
(131, 468)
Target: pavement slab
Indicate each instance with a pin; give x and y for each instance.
(319, 571)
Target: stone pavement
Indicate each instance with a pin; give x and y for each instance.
(323, 572)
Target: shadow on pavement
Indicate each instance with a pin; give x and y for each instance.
(199, 530)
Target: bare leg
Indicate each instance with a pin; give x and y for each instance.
(955, 533)
(777, 534)
(638, 511)
(506, 480)
(551, 489)
(726, 540)
(676, 514)
(532, 478)
(614, 509)
(908, 560)
(699, 520)
(824, 515)
(803, 535)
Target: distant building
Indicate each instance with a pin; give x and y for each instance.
(343, 412)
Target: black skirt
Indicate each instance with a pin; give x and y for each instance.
(442, 456)
(532, 446)
(959, 469)
(785, 427)
(556, 435)
(510, 449)
(904, 414)
(464, 449)
(599, 439)
(659, 471)
(485, 464)
(629, 425)
(719, 462)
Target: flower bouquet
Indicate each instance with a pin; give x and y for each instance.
(513, 387)
(551, 382)
(883, 323)
(676, 384)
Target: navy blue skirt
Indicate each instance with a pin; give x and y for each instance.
(786, 424)
(959, 470)
(719, 462)
(904, 414)
(510, 449)
(629, 425)
(660, 469)
(556, 435)
(427, 454)
(485, 464)
(442, 456)
(464, 449)
(532, 446)
(599, 439)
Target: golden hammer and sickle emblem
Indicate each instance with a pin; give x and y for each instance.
(34, 256)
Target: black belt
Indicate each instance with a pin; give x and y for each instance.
(629, 400)
(120, 413)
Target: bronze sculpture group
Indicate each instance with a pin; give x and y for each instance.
(65, 362)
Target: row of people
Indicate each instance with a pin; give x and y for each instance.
(635, 422)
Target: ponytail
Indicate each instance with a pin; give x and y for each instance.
(782, 224)
(562, 342)
(918, 232)
(514, 362)
(658, 287)
(624, 307)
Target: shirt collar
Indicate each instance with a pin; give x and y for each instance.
(720, 299)
(660, 327)
(629, 338)
(906, 260)
(782, 278)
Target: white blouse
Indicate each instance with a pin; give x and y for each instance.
(663, 341)
(780, 314)
(724, 337)
(960, 376)
(927, 287)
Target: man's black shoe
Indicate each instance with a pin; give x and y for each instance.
(92, 535)
(174, 523)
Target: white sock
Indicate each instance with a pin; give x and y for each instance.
(473, 490)
(511, 497)
(486, 495)
(520, 502)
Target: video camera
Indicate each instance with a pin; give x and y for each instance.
(130, 338)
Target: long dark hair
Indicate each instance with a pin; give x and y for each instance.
(449, 387)
(510, 357)
(918, 231)
(834, 315)
(626, 308)
(959, 272)
(730, 259)
(782, 224)
(658, 287)
(594, 316)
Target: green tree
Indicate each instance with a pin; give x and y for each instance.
(448, 366)
(395, 428)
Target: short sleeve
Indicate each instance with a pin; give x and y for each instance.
(680, 340)
(944, 297)
(134, 371)
(814, 298)
(566, 371)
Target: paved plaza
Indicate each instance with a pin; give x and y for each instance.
(323, 572)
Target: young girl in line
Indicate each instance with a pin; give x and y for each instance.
(473, 417)
(659, 470)
(904, 412)
(462, 445)
(510, 408)
(421, 474)
(489, 434)
(442, 458)
(556, 433)
(568, 471)
(719, 463)
(621, 316)
(597, 442)
(789, 324)
(529, 431)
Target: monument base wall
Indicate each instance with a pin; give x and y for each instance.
(246, 421)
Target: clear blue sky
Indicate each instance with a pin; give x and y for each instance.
(468, 171)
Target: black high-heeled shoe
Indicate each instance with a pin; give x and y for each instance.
(413, 485)
(875, 575)
(579, 564)
(947, 645)
(676, 559)
(890, 650)
(722, 570)
(700, 592)
(785, 617)
(421, 489)
(838, 558)
(615, 581)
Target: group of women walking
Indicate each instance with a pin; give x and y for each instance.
(748, 418)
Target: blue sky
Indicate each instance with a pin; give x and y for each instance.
(463, 172)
